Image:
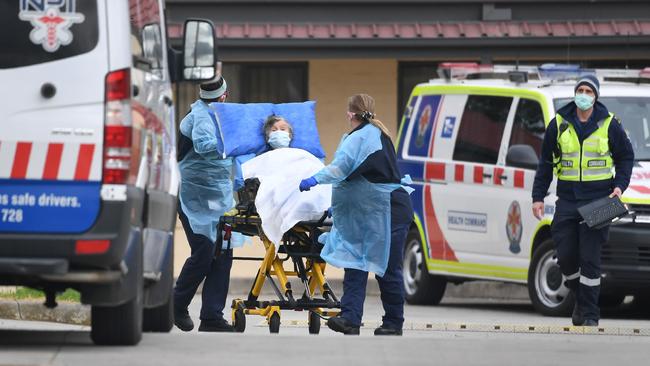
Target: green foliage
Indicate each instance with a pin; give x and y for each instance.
(26, 293)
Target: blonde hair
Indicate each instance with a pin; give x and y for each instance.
(363, 107)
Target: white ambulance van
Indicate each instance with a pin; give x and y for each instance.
(471, 142)
(88, 173)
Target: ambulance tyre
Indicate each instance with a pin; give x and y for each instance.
(546, 285)
(420, 287)
(160, 319)
(118, 325)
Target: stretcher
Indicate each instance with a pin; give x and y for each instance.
(301, 247)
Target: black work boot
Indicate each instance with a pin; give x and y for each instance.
(217, 325)
(182, 320)
(576, 318)
(590, 323)
(341, 325)
(385, 330)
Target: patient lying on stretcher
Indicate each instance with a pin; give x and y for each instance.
(279, 203)
(277, 134)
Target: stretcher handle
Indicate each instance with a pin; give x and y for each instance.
(322, 219)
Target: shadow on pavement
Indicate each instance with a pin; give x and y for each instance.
(28, 338)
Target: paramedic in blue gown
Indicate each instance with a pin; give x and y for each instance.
(206, 193)
(371, 214)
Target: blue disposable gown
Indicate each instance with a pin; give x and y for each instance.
(361, 210)
(206, 190)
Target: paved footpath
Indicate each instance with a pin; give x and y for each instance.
(36, 343)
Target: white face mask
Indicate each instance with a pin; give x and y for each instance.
(279, 139)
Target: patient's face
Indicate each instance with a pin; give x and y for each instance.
(281, 125)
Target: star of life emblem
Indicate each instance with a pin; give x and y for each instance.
(51, 20)
(514, 227)
(423, 123)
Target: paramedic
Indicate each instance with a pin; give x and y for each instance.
(581, 145)
(278, 134)
(205, 195)
(372, 213)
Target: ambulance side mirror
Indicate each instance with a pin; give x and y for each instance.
(199, 50)
(522, 156)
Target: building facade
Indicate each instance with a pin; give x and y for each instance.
(291, 50)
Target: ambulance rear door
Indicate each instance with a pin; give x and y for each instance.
(53, 64)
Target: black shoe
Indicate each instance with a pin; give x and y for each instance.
(219, 325)
(183, 321)
(576, 318)
(341, 325)
(384, 330)
(590, 323)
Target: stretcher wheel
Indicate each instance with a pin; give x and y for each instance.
(240, 321)
(274, 323)
(314, 323)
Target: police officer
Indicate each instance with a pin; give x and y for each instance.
(205, 194)
(582, 144)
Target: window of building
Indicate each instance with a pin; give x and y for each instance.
(528, 127)
(266, 82)
(248, 82)
(481, 129)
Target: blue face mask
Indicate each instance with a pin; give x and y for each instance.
(279, 139)
(584, 101)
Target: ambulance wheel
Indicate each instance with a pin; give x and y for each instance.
(239, 323)
(314, 323)
(420, 287)
(546, 283)
(274, 323)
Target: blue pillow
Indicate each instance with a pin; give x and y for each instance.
(242, 126)
(302, 118)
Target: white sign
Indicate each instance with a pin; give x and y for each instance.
(467, 221)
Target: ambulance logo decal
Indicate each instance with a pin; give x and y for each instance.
(423, 124)
(51, 20)
(514, 227)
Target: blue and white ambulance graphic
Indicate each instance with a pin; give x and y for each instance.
(48, 187)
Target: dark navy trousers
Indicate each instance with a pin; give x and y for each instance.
(578, 253)
(391, 285)
(202, 265)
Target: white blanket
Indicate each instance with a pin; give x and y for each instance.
(279, 202)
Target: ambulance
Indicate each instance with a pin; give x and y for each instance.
(471, 141)
(88, 171)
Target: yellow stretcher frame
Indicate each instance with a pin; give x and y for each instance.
(311, 271)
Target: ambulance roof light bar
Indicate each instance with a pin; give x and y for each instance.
(547, 72)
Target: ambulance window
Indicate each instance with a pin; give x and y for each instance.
(39, 31)
(146, 38)
(481, 129)
(528, 127)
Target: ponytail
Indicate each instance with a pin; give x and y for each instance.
(363, 107)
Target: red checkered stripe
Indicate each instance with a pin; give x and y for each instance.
(476, 174)
(49, 161)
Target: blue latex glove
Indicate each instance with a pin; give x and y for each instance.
(307, 183)
(329, 212)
